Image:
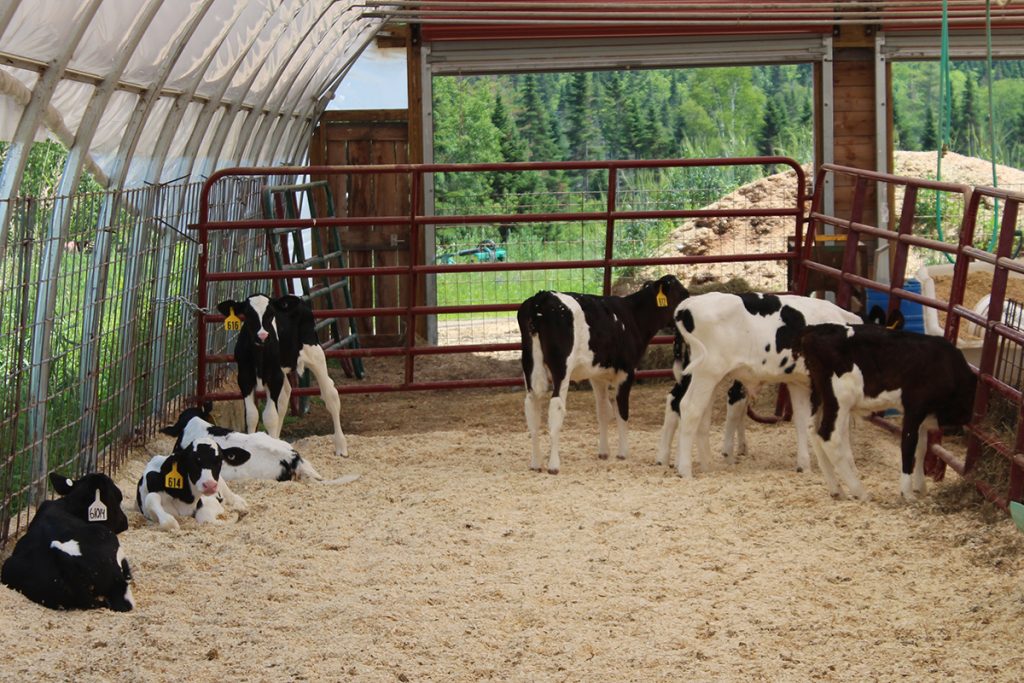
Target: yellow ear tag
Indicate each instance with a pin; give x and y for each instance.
(173, 479)
(97, 511)
(232, 323)
(661, 299)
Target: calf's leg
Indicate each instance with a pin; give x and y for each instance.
(155, 512)
(312, 356)
(622, 417)
(604, 415)
(734, 442)
(800, 399)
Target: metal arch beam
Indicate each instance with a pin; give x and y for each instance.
(97, 280)
(289, 103)
(266, 152)
(73, 166)
(191, 149)
(304, 122)
(93, 114)
(7, 13)
(139, 242)
(10, 178)
(206, 114)
(17, 155)
(224, 127)
(246, 137)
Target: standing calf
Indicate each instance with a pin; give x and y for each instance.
(866, 369)
(70, 557)
(749, 338)
(569, 336)
(279, 336)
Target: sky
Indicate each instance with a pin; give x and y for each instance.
(377, 81)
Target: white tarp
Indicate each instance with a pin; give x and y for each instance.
(255, 60)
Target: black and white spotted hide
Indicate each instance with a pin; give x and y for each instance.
(278, 336)
(868, 368)
(186, 483)
(70, 557)
(750, 339)
(246, 456)
(572, 337)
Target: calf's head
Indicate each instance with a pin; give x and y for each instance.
(199, 465)
(203, 412)
(260, 317)
(94, 498)
(662, 296)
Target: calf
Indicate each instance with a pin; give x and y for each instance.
(867, 369)
(186, 483)
(278, 336)
(568, 336)
(749, 338)
(70, 557)
(734, 440)
(246, 456)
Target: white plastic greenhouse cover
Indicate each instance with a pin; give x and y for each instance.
(149, 91)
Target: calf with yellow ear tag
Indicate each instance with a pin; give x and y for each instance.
(186, 483)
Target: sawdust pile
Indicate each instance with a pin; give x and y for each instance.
(727, 236)
(449, 560)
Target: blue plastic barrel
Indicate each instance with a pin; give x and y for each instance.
(913, 312)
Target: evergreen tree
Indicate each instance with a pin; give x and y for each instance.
(929, 140)
(581, 133)
(535, 123)
(507, 186)
(769, 138)
(968, 121)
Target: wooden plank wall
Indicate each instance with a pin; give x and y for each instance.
(370, 138)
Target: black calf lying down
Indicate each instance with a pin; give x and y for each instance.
(186, 483)
(70, 557)
(867, 369)
(246, 456)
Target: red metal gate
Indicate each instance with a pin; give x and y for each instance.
(998, 337)
(413, 273)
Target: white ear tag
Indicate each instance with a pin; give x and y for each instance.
(98, 511)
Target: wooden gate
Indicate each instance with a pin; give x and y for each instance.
(355, 138)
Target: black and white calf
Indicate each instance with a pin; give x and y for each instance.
(70, 557)
(278, 336)
(186, 483)
(748, 338)
(246, 456)
(866, 369)
(569, 336)
(734, 437)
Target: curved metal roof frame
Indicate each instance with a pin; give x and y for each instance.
(149, 91)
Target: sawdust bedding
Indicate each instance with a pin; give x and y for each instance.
(449, 560)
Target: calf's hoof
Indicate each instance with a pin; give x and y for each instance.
(602, 456)
(551, 471)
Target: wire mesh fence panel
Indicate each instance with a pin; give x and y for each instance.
(97, 338)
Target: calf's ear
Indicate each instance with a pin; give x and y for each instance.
(896, 320)
(61, 484)
(287, 302)
(876, 316)
(225, 307)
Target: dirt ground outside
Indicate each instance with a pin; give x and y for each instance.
(448, 560)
